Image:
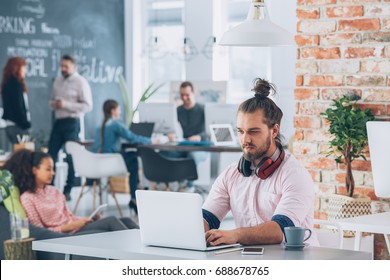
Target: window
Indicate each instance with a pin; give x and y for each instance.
(245, 63)
(164, 36)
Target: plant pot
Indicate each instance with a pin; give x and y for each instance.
(341, 207)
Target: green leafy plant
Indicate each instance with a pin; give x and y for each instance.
(6, 184)
(147, 93)
(347, 124)
(11, 200)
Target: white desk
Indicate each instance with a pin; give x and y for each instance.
(126, 245)
(376, 223)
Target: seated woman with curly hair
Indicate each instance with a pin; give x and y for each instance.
(44, 204)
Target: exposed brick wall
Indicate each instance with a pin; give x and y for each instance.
(343, 47)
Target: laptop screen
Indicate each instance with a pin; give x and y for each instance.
(222, 135)
(143, 128)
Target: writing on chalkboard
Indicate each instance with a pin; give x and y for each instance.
(39, 31)
(17, 25)
(45, 28)
(32, 6)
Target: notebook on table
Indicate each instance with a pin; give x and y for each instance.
(172, 219)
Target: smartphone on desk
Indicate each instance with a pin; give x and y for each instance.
(252, 251)
(97, 210)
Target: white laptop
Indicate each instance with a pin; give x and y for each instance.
(222, 135)
(172, 219)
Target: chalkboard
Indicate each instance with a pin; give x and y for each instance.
(42, 31)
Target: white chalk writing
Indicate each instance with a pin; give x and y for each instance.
(17, 25)
(35, 7)
(49, 30)
(27, 52)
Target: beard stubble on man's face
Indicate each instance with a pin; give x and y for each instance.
(258, 152)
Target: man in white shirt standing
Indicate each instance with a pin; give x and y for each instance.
(71, 99)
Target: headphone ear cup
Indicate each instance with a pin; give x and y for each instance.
(262, 166)
(266, 166)
(244, 167)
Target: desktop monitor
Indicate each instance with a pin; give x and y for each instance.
(216, 113)
(378, 141)
(163, 115)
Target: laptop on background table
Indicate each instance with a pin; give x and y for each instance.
(142, 128)
(172, 219)
(222, 135)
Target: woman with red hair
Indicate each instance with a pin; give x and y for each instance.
(15, 101)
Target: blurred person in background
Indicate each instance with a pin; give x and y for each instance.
(15, 99)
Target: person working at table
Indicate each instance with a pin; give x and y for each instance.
(192, 121)
(268, 189)
(107, 140)
(191, 114)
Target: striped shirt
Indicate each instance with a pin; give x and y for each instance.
(47, 208)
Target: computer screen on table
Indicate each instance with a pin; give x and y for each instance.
(172, 219)
(222, 135)
(163, 115)
(143, 128)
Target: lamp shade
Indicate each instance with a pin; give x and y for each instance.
(257, 30)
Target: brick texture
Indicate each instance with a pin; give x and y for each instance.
(359, 24)
(343, 47)
(345, 11)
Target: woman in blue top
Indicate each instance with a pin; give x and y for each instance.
(107, 140)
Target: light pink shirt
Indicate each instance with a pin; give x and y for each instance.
(288, 191)
(47, 208)
(76, 93)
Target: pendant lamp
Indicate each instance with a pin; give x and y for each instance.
(257, 30)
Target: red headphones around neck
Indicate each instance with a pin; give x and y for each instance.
(264, 169)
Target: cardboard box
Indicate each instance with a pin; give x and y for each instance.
(119, 184)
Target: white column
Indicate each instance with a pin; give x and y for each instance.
(133, 46)
(199, 28)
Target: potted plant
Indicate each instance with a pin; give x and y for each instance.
(148, 92)
(347, 125)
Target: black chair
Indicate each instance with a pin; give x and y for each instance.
(160, 169)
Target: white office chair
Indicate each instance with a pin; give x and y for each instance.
(331, 236)
(95, 166)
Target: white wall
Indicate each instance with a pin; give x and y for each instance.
(283, 13)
